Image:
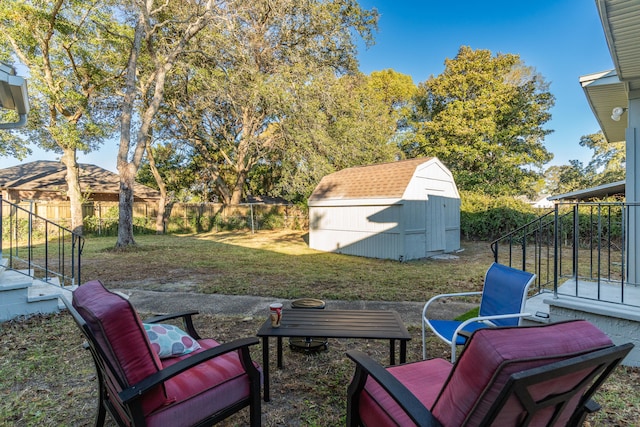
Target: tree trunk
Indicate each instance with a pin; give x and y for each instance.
(125, 212)
(152, 92)
(162, 203)
(74, 193)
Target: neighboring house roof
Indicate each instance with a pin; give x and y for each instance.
(49, 176)
(382, 181)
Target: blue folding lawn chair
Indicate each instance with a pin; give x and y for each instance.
(504, 296)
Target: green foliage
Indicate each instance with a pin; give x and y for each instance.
(241, 103)
(18, 229)
(483, 117)
(71, 52)
(606, 166)
(596, 223)
(272, 220)
(484, 217)
(336, 123)
(105, 225)
(474, 312)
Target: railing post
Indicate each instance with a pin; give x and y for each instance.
(30, 237)
(1, 221)
(524, 248)
(576, 241)
(599, 246)
(556, 240)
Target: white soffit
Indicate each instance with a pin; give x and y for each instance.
(621, 25)
(604, 92)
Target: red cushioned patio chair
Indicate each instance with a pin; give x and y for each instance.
(516, 376)
(139, 388)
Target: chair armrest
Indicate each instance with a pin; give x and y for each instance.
(187, 320)
(485, 318)
(401, 395)
(453, 295)
(137, 390)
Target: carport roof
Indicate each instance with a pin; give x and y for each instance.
(386, 180)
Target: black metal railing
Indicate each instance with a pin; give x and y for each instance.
(582, 244)
(37, 247)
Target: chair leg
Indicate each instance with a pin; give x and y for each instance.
(102, 412)
(102, 393)
(255, 412)
(424, 341)
(353, 397)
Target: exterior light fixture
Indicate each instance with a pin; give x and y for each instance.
(616, 113)
(13, 96)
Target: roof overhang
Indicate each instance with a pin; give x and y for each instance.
(605, 190)
(13, 96)
(604, 92)
(318, 203)
(621, 24)
(610, 89)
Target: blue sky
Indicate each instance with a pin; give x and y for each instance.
(561, 39)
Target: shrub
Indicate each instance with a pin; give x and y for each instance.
(484, 217)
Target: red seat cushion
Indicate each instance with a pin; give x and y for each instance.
(119, 331)
(494, 354)
(424, 379)
(207, 388)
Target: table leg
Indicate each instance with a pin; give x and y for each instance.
(403, 351)
(265, 367)
(392, 351)
(279, 352)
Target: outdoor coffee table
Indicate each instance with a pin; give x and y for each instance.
(372, 324)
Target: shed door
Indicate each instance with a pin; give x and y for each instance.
(435, 224)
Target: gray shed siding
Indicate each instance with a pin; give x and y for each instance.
(369, 231)
(419, 219)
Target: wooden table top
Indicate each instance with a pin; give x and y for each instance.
(375, 324)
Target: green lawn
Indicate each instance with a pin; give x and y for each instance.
(278, 264)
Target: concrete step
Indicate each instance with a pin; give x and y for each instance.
(20, 295)
(50, 289)
(10, 280)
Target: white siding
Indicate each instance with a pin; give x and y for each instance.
(432, 178)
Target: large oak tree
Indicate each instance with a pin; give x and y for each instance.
(240, 82)
(72, 51)
(484, 118)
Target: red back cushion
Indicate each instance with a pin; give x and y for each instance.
(119, 332)
(492, 355)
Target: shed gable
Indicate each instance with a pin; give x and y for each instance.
(386, 180)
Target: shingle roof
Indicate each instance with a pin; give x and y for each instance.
(386, 180)
(44, 175)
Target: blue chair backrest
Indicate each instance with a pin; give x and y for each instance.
(505, 291)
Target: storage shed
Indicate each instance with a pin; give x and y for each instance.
(402, 210)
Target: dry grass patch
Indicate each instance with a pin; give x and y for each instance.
(48, 379)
